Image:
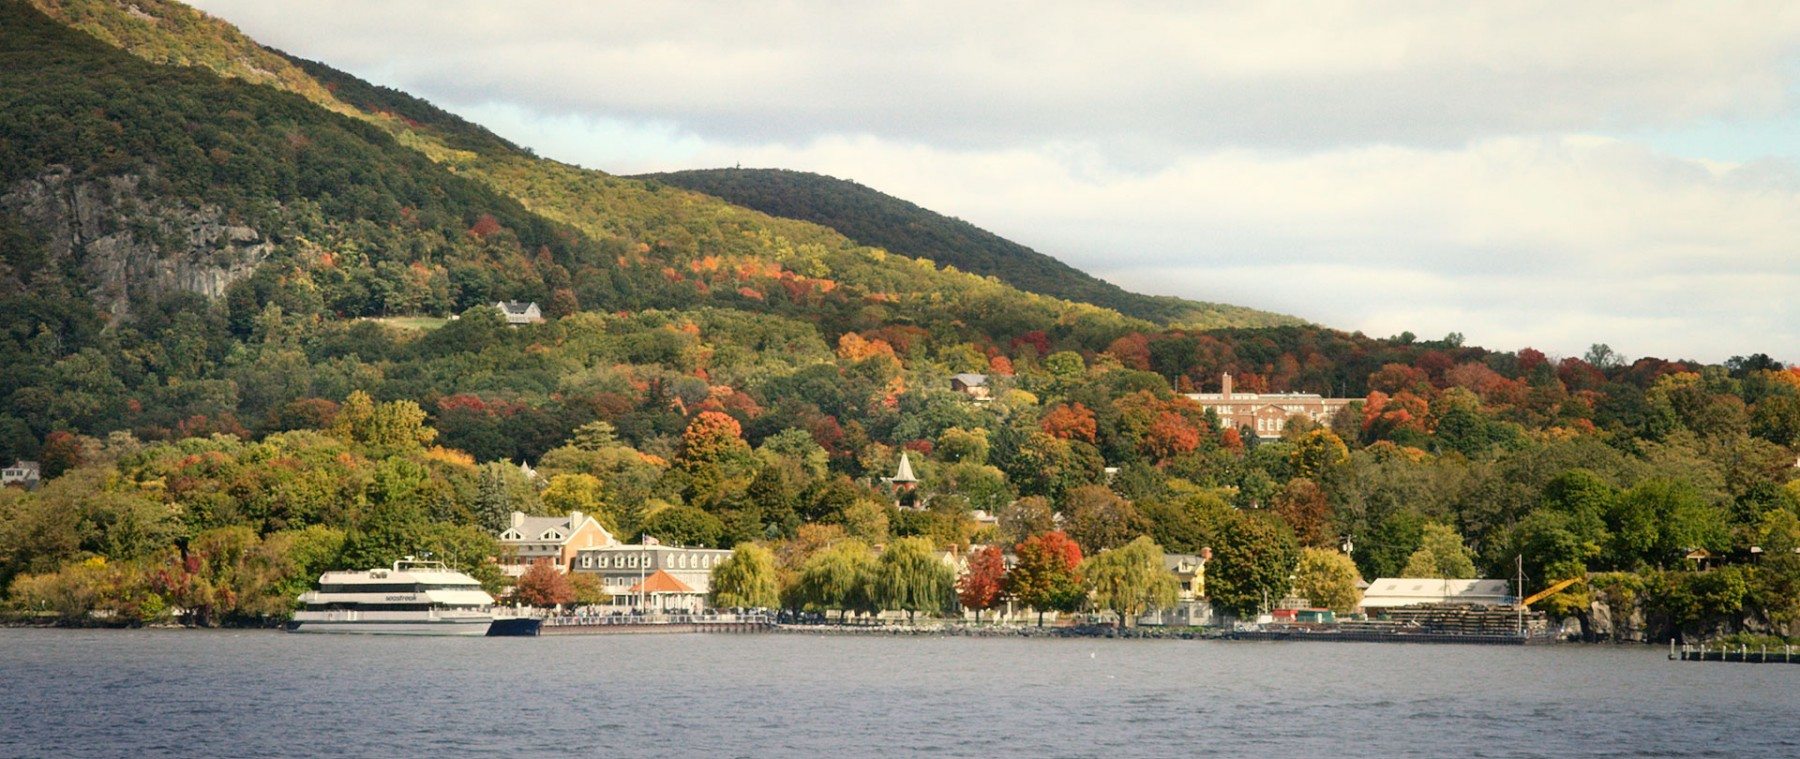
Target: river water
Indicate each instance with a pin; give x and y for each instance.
(179, 693)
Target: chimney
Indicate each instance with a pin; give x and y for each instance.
(1225, 386)
(575, 520)
(518, 518)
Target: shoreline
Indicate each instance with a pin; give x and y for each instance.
(928, 630)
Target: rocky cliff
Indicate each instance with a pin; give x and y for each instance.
(126, 245)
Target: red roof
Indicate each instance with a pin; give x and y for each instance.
(661, 582)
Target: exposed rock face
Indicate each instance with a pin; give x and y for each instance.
(130, 247)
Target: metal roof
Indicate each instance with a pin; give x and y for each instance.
(1406, 591)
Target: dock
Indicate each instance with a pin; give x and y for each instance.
(1380, 636)
(657, 624)
(1737, 654)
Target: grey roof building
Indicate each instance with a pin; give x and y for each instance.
(25, 474)
(519, 312)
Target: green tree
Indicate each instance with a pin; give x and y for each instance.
(911, 577)
(838, 577)
(746, 580)
(1441, 554)
(1130, 580)
(1252, 562)
(502, 489)
(1026, 517)
(1316, 453)
(1327, 579)
(1099, 519)
(685, 525)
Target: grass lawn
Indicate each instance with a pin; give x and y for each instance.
(425, 323)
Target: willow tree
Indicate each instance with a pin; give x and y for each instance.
(910, 577)
(1131, 580)
(746, 580)
(837, 578)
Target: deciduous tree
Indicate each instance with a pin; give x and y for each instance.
(543, 586)
(1327, 579)
(1441, 554)
(1047, 575)
(980, 587)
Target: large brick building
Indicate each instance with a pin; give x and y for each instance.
(1266, 413)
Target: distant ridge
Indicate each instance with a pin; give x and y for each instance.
(871, 217)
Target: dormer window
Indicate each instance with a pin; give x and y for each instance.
(551, 535)
(511, 535)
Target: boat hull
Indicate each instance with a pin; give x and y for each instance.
(460, 627)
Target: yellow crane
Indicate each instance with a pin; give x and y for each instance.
(1550, 591)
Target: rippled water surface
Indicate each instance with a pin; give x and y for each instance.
(190, 693)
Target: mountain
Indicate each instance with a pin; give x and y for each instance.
(874, 218)
(424, 179)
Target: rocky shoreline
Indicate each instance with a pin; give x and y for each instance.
(1006, 631)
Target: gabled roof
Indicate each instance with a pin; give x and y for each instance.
(536, 529)
(515, 306)
(661, 582)
(970, 378)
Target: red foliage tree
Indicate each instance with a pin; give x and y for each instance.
(61, 452)
(1394, 378)
(1303, 506)
(980, 588)
(484, 225)
(1132, 350)
(543, 586)
(1529, 359)
(1036, 338)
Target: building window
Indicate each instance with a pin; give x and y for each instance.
(587, 561)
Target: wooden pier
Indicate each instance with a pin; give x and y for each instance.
(1739, 654)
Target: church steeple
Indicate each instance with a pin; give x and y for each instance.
(903, 477)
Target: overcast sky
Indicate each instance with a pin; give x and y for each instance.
(1528, 174)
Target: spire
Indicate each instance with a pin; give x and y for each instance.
(904, 475)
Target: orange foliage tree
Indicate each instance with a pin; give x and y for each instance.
(1070, 422)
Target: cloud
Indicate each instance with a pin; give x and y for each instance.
(1388, 167)
(1135, 80)
(1550, 242)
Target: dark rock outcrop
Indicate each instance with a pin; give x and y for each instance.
(129, 246)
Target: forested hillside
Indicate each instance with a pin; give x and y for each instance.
(199, 259)
(873, 218)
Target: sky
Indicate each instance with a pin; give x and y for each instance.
(1527, 174)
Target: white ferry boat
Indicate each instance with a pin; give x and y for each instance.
(413, 598)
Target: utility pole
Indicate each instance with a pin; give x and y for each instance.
(1521, 602)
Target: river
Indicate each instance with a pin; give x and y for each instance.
(178, 693)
